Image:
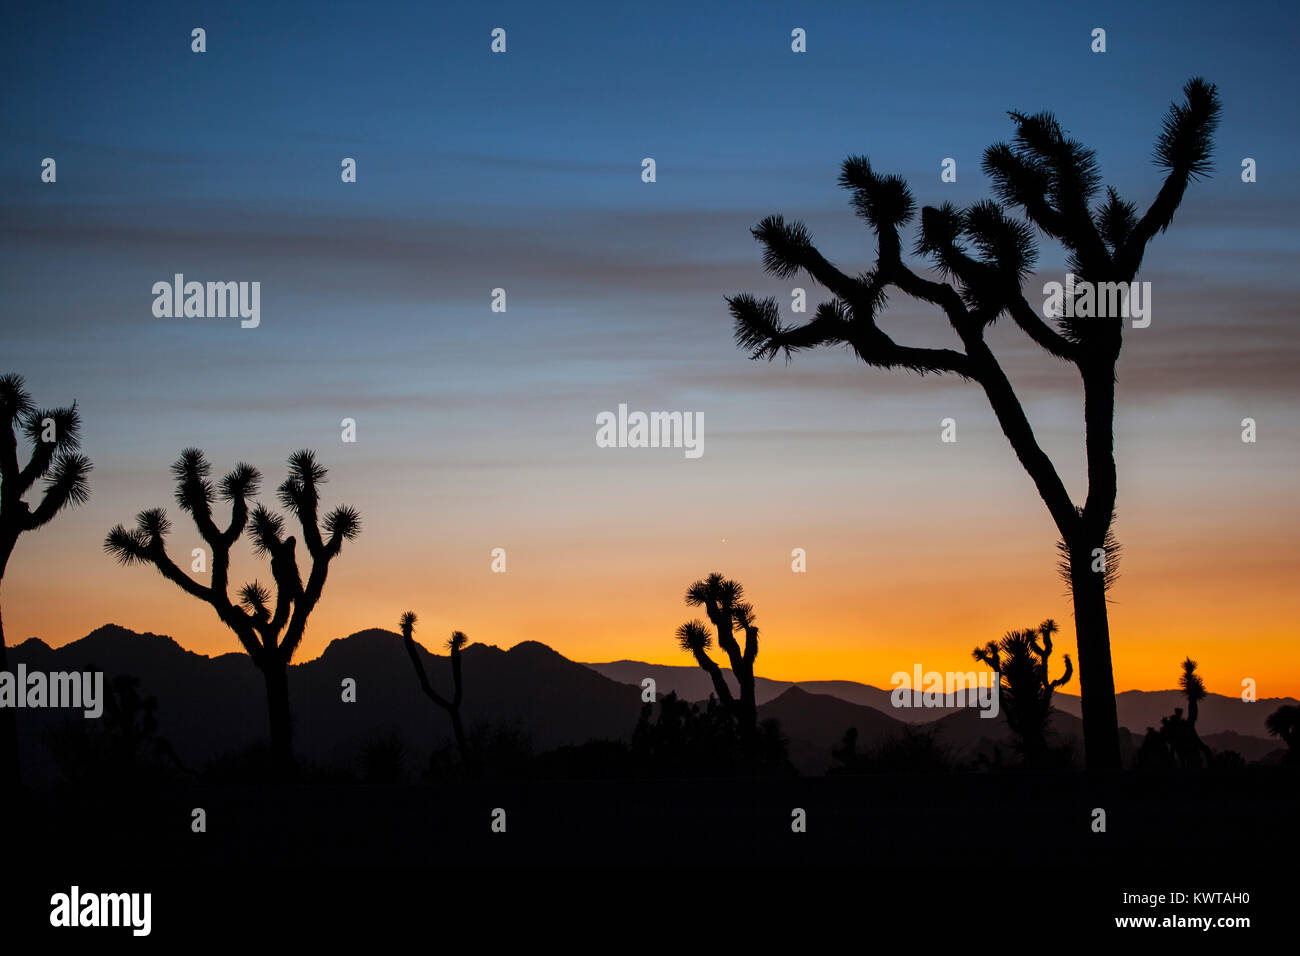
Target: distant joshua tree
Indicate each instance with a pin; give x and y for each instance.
(456, 643)
(54, 436)
(983, 255)
(1025, 687)
(1285, 723)
(269, 626)
(1179, 732)
(722, 602)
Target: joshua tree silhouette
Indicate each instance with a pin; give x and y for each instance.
(1178, 731)
(270, 627)
(1285, 723)
(722, 602)
(987, 253)
(456, 643)
(54, 436)
(1026, 690)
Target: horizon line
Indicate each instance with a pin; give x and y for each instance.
(589, 664)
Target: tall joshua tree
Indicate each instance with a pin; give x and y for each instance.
(983, 255)
(455, 644)
(722, 602)
(1021, 660)
(269, 626)
(54, 436)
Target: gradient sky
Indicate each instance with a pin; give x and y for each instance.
(476, 429)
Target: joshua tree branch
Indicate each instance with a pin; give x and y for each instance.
(1037, 329)
(1015, 425)
(423, 677)
(458, 693)
(988, 655)
(67, 424)
(1064, 678)
(67, 485)
(158, 557)
(1184, 148)
(711, 668)
(694, 636)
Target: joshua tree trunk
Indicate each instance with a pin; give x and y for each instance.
(277, 703)
(10, 774)
(1193, 710)
(462, 747)
(748, 705)
(10, 765)
(1096, 680)
(1083, 530)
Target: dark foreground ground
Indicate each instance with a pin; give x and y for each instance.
(970, 851)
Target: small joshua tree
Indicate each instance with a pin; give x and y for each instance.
(54, 436)
(722, 602)
(1193, 688)
(1021, 661)
(1178, 731)
(456, 643)
(269, 626)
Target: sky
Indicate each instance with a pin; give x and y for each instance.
(521, 170)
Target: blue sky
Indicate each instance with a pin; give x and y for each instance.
(522, 171)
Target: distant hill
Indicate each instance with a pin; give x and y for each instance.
(814, 723)
(1138, 709)
(967, 736)
(691, 683)
(1269, 750)
(213, 705)
(209, 706)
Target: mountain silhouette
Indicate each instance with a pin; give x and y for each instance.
(1138, 709)
(212, 706)
(208, 706)
(690, 683)
(814, 723)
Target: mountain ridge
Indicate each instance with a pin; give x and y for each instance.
(214, 706)
(1138, 709)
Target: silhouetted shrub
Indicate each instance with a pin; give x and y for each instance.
(500, 750)
(912, 751)
(121, 748)
(594, 760)
(383, 758)
(687, 740)
(1154, 753)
